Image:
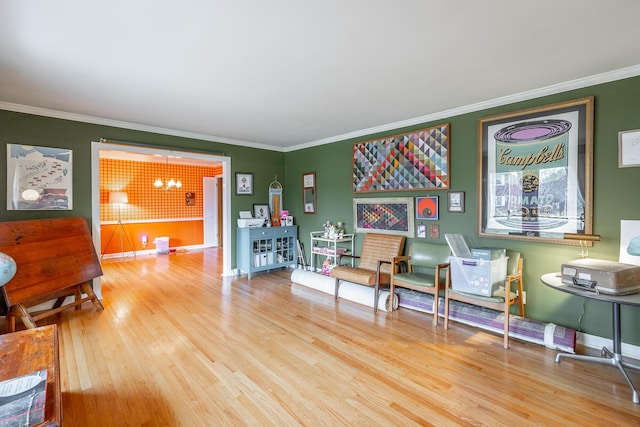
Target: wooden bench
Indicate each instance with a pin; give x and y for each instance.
(55, 258)
(375, 263)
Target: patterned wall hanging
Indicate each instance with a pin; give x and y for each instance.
(411, 161)
(392, 215)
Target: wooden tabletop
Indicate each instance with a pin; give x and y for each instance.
(29, 351)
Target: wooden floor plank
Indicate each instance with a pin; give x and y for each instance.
(179, 345)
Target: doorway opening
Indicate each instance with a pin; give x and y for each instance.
(224, 188)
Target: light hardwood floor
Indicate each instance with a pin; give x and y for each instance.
(178, 345)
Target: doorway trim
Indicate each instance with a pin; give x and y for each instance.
(95, 194)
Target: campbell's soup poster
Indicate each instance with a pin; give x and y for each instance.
(530, 189)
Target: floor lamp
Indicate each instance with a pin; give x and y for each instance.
(119, 198)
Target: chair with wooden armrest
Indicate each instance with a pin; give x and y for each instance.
(502, 299)
(426, 264)
(375, 263)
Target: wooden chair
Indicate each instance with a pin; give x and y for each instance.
(501, 300)
(375, 264)
(425, 264)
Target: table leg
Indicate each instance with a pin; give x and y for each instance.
(609, 357)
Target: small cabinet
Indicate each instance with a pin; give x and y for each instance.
(329, 247)
(266, 248)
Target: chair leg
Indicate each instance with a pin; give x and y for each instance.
(376, 296)
(435, 304)
(391, 291)
(521, 297)
(506, 323)
(446, 308)
(337, 287)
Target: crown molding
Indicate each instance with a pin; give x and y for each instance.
(56, 114)
(620, 74)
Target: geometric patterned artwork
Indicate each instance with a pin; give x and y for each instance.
(393, 215)
(415, 160)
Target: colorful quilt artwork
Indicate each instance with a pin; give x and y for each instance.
(410, 161)
(387, 216)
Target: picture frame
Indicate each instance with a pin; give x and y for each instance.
(309, 192)
(261, 210)
(427, 208)
(244, 184)
(629, 148)
(434, 231)
(415, 160)
(535, 174)
(455, 201)
(392, 215)
(39, 178)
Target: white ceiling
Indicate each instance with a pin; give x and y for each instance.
(285, 74)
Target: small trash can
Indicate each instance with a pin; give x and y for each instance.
(162, 245)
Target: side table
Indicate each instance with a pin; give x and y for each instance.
(609, 357)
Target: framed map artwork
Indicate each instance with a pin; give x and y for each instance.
(39, 178)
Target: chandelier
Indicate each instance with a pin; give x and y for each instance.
(170, 184)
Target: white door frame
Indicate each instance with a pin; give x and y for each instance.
(95, 194)
(210, 189)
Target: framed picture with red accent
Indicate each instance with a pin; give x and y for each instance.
(427, 207)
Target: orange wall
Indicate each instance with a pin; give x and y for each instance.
(180, 233)
(151, 211)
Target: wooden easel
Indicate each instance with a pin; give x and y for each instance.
(55, 259)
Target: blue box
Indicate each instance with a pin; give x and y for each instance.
(488, 253)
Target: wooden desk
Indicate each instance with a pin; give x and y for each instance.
(553, 280)
(55, 259)
(31, 350)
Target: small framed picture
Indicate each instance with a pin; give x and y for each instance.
(456, 201)
(190, 198)
(629, 148)
(261, 211)
(427, 207)
(434, 231)
(244, 184)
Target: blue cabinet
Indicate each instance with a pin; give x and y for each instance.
(266, 248)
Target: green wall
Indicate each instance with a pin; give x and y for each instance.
(26, 129)
(615, 198)
(615, 193)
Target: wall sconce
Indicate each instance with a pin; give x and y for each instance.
(584, 239)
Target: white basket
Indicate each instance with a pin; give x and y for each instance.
(162, 245)
(477, 276)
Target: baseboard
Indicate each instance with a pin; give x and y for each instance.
(148, 252)
(596, 342)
